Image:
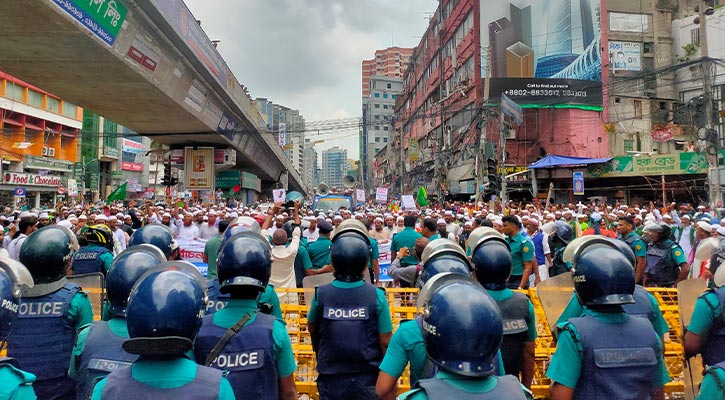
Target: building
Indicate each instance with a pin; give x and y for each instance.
(288, 128)
(390, 62)
(378, 115)
(309, 168)
(39, 148)
(334, 167)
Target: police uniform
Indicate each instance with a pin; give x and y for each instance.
(302, 262)
(519, 327)
(43, 336)
(176, 378)
(92, 258)
(255, 357)
(635, 242)
(645, 305)
(97, 353)
(450, 386)
(628, 353)
(406, 238)
(319, 252)
(268, 300)
(663, 263)
(708, 322)
(713, 384)
(349, 317)
(522, 250)
(15, 383)
(210, 249)
(374, 255)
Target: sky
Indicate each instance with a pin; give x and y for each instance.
(307, 54)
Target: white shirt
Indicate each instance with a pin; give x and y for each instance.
(190, 232)
(452, 228)
(208, 231)
(685, 241)
(311, 236)
(283, 262)
(119, 241)
(14, 246)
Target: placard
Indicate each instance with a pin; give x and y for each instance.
(381, 195)
(408, 202)
(360, 195)
(278, 195)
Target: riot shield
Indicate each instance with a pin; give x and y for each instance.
(705, 250)
(309, 283)
(554, 294)
(95, 285)
(687, 294)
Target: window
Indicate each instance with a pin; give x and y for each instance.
(69, 109)
(385, 140)
(377, 117)
(377, 139)
(376, 95)
(377, 149)
(35, 99)
(385, 128)
(695, 36)
(389, 86)
(377, 128)
(385, 117)
(385, 106)
(385, 95)
(638, 109)
(13, 91)
(628, 145)
(53, 104)
(393, 96)
(377, 105)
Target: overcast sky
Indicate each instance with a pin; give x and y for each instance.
(307, 54)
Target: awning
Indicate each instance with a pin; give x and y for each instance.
(553, 161)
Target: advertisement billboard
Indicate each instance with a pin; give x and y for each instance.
(625, 56)
(543, 52)
(199, 168)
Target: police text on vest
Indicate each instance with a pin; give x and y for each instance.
(359, 313)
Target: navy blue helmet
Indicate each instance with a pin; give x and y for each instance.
(456, 311)
(241, 224)
(350, 251)
(164, 313)
(603, 275)
(125, 270)
(47, 252)
(14, 278)
(154, 234)
(492, 261)
(443, 255)
(244, 260)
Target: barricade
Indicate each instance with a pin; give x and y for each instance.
(402, 303)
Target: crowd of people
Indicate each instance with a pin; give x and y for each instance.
(222, 335)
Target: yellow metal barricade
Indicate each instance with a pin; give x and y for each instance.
(402, 303)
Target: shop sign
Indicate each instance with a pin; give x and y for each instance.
(111, 152)
(658, 164)
(131, 146)
(227, 179)
(13, 178)
(129, 166)
(249, 181)
(46, 162)
(103, 18)
(221, 157)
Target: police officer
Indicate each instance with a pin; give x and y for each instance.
(50, 313)
(706, 332)
(97, 254)
(254, 347)
(606, 353)
(156, 235)
(666, 262)
(645, 304)
(164, 314)
(349, 320)
(455, 310)
(522, 254)
(625, 230)
(560, 234)
(713, 384)
(492, 262)
(406, 345)
(319, 251)
(98, 350)
(14, 278)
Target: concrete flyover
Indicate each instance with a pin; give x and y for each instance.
(145, 64)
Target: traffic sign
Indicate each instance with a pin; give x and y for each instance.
(61, 190)
(20, 192)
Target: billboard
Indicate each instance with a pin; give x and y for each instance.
(199, 168)
(543, 52)
(625, 56)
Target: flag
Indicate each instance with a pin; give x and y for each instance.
(118, 194)
(422, 197)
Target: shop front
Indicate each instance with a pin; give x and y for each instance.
(19, 190)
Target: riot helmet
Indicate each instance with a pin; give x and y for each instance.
(603, 275)
(558, 231)
(153, 234)
(164, 313)
(443, 255)
(458, 307)
(244, 264)
(125, 270)
(477, 234)
(46, 253)
(241, 224)
(350, 251)
(492, 262)
(99, 234)
(15, 279)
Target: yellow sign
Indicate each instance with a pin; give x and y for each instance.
(413, 154)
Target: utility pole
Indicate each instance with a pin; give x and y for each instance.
(441, 142)
(481, 156)
(502, 145)
(706, 66)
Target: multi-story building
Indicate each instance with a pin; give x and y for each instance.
(309, 173)
(377, 127)
(39, 147)
(390, 62)
(334, 167)
(288, 128)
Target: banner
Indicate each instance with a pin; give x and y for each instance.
(408, 202)
(543, 53)
(657, 164)
(281, 138)
(193, 252)
(72, 187)
(384, 261)
(381, 195)
(360, 195)
(578, 183)
(625, 56)
(199, 168)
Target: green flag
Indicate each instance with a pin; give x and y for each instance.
(118, 194)
(422, 197)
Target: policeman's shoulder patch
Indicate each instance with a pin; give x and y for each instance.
(638, 247)
(525, 249)
(678, 253)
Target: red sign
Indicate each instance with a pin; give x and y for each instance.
(14, 178)
(662, 135)
(61, 190)
(129, 166)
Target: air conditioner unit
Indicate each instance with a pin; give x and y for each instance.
(51, 151)
(45, 151)
(510, 134)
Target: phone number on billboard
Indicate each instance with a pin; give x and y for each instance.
(546, 92)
